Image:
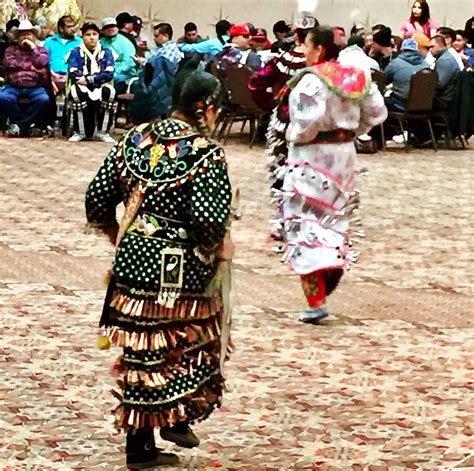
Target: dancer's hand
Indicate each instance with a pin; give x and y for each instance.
(227, 249)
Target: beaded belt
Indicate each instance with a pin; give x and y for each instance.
(336, 136)
(152, 225)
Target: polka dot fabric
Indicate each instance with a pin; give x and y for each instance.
(187, 196)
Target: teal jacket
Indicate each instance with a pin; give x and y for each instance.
(123, 51)
(208, 48)
(59, 52)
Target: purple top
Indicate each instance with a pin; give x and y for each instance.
(25, 67)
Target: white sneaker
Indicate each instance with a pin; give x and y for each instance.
(400, 138)
(106, 137)
(77, 137)
(13, 130)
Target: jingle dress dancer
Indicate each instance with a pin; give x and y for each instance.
(330, 104)
(163, 305)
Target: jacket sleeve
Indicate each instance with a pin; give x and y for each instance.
(40, 58)
(125, 63)
(10, 62)
(254, 61)
(74, 65)
(204, 47)
(260, 81)
(107, 69)
(373, 111)
(210, 203)
(308, 103)
(104, 193)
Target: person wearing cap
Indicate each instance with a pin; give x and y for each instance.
(209, 48)
(400, 71)
(237, 52)
(92, 95)
(125, 25)
(123, 51)
(141, 41)
(59, 46)
(27, 75)
(423, 42)
(261, 45)
(382, 49)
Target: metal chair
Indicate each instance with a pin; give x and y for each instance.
(419, 104)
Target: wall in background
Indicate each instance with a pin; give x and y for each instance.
(263, 13)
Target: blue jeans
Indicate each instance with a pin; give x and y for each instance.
(9, 98)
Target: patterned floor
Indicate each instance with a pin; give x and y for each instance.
(386, 383)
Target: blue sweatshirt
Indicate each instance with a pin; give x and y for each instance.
(59, 50)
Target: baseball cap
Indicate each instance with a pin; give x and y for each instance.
(239, 29)
(409, 45)
(109, 21)
(421, 39)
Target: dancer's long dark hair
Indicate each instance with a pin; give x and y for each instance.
(324, 36)
(222, 29)
(194, 94)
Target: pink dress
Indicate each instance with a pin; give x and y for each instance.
(429, 29)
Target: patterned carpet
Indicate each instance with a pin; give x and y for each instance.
(387, 383)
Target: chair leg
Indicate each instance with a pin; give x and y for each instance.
(433, 139)
(255, 131)
(244, 122)
(382, 136)
(405, 141)
(231, 122)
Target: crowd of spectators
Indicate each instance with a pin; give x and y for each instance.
(97, 64)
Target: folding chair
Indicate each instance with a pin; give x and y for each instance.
(419, 104)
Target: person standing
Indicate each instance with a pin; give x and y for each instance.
(420, 21)
(330, 104)
(162, 305)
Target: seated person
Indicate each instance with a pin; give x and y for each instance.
(26, 76)
(460, 46)
(92, 95)
(355, 56)
(382, 49)
(238, 51)
(261, 45)
(152, 91)
(123, 51)
(209, 48)
(6, 40)
(191, 35)
(399, 73)
(448, 71)
(450, 37)
(423, 45)
(59, 47)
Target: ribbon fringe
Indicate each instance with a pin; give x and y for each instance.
(150, 308)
